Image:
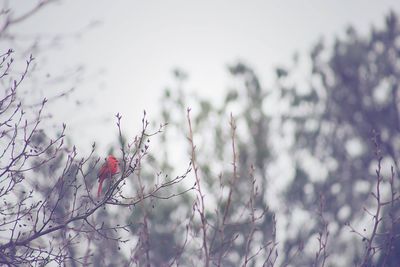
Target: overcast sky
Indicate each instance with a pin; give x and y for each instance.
(138, 43)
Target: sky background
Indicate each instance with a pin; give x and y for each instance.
(128, 56)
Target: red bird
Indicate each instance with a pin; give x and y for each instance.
(109, 168)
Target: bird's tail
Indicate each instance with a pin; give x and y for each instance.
(100, 187)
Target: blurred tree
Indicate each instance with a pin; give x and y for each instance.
(353, 96)
(232, 195)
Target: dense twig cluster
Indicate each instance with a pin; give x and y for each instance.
(46, 190)
(231, 225)
(380, 240)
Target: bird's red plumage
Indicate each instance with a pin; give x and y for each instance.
(109, 168)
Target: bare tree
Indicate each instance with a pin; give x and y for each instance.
(46, 190)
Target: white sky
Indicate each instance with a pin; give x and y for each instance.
(139, 42)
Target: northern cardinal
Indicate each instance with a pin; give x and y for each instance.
(109, 168)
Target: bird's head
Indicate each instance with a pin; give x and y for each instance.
(111, 158)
